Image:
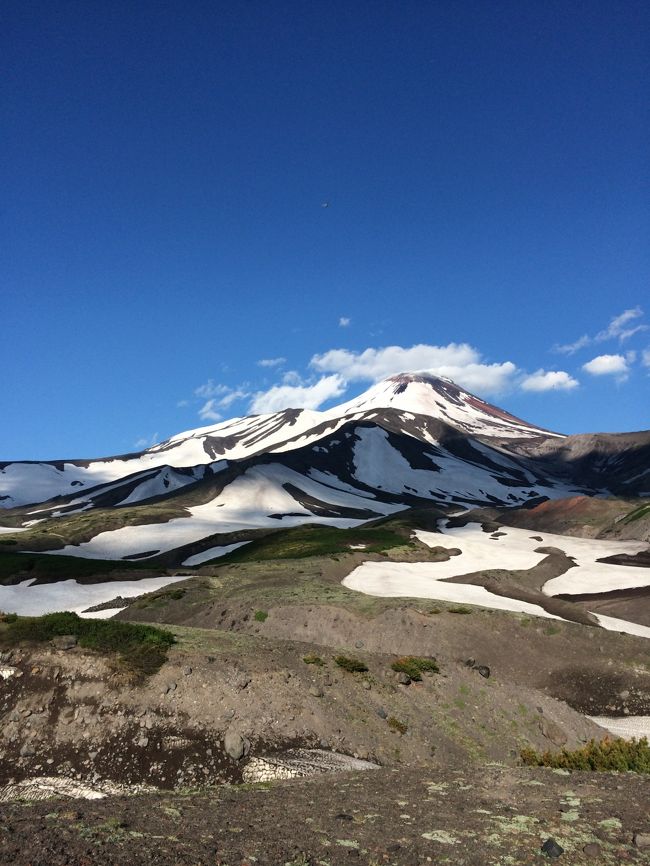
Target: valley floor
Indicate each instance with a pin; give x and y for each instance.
(464, 816)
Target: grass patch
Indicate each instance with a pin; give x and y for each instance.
(461, 608)
(46, 568)
(395, 725)
(353, 666)
(603, 755)
(304, 541)
(261, 615)
(140, 649)
(415, 666)
(637, 514)
(313, 659)
(81, 527)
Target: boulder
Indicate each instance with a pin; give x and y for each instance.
(552, 849)
(552, 731)
(235, 745)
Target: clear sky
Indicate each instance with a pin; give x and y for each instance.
(200, 203)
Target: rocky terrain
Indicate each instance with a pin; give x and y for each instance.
(246, 689)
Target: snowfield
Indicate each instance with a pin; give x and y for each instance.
(212, 553)
(28, 600)
(627, 727)
(421, 580)
(513, 551)
(247, 503)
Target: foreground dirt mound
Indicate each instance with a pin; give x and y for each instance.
(467, 817)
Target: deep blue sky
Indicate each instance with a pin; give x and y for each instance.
(163, 168)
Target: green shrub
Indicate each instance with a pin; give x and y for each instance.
(461, 608)
(261, 615)
(608, 754)
(141, 649)
(313, 659)
(414, 666)
(395, 725)
(354, 666)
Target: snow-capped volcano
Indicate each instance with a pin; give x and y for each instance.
(423, 394)
(410, 440)
(417, 397)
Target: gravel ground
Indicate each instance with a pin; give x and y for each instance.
(484, 817)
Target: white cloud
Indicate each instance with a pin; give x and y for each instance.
(616, 330)
(271, 362)
(607, 365)
(207, 412)
(236, 394)
(344, 322)
(571, 348)
(551, 380)
(617, 327)
(303, 396)
(218, 396)
(147, 443)
(458, 361)
(210, 389)
(645, 358)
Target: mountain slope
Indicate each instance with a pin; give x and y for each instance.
(411, 440)
(23, 483)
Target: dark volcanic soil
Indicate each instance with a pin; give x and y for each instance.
(482, 817)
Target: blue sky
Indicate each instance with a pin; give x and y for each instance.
(164, 168)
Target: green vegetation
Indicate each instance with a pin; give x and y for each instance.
(552, 629)
(621, 755)
(415, 666)
(44, 567)
(395, 725)
(140, 649)
(304, 541)
(637, 513)
(313, 659)
(80, 527)
(461, 608)
(261, 615)
(353, 666)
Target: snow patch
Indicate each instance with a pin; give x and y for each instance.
(212, 553)
(27, 600)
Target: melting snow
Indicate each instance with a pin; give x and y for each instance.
(421, 580)
(627, 727)
(246, 503)
(515, 550)
(28, 600)
(212, 553)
